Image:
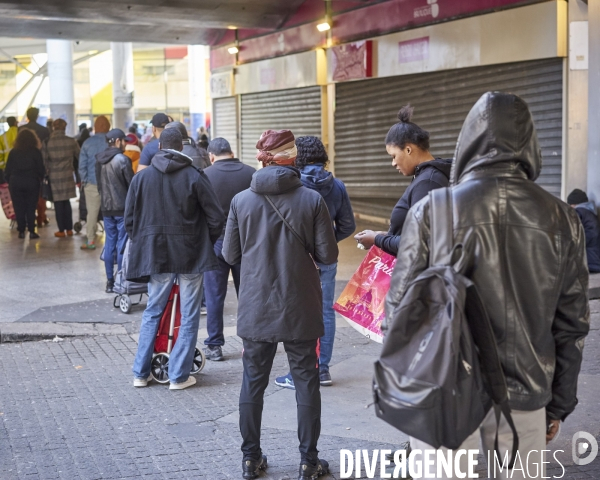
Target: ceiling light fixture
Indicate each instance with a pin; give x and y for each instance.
(323, 27)
(233, 50)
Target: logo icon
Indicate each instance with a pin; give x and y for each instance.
(584, 443)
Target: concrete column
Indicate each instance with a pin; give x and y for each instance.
(60, 74)
(197, 55)
(122, 57)
(593, 167)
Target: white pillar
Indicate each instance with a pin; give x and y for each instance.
(122, 54)
(60, 75)
(197, 55)
(593, 164)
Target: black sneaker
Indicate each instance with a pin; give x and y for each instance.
(251, 468)
(214, 353)
(325, 378)
(109, 286)
(33, 236)
(21, 234)
(312, 472)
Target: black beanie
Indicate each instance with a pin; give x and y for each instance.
(576, 197)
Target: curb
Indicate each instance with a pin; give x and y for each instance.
(36, 331)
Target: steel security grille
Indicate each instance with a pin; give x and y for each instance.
(298, 110)
(225, 121)
(365, 111)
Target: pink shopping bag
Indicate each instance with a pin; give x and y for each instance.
(6, 201)
(362, 301)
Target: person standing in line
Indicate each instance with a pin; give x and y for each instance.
(132, 150)
(7, 140)
(586, 211)
(159, 122)
(24, 174)
(173, 219)
(537, 304)
(114, 174)
(312, 160)
(408, 145)
(277, 230)
(228, 176)
(199, 156)
(87, 173)
(60, 153)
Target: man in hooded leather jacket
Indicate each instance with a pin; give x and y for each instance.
(113, 174)
(526, 255)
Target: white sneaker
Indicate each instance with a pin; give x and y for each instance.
(180, 386)
(141, 382)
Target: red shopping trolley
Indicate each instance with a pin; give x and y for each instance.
(166, 337)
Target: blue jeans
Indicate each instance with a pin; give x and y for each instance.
(215, 291)
(116, 236)
(328, 273)
(182, 356)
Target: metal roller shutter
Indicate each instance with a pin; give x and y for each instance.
(225, 120)
(366, 110)
(298, 110)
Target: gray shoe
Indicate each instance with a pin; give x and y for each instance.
(214, 353)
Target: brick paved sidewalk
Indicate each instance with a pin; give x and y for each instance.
(68, 411)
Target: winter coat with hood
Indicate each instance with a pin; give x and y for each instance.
(172, 217)
(280, 296)
(589, 219)
(114, 174)
(315, 177)
(199, 155)
(428, 176)
(525, 253)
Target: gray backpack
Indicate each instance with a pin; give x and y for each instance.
(439, 372)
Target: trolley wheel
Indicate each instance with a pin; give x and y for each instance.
(199, 361)
(125, 304)
(77, 226)
(159, 368)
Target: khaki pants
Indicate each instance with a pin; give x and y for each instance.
(531, 427)
(92, 203)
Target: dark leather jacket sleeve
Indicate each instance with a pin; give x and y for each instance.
(326, 249)
(571, 325)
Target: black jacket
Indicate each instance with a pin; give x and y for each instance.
(280, 288)
(113, 174)
(428, 176)
(525, 253)
(27, 163)
(199, 156)
(172, 217)
(229, 177)
(42, 132)
(589, 219)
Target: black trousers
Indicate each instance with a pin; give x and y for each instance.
(304, 367)
(24, 193)
(64, 215)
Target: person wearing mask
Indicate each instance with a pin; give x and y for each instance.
(7, 140)
(60, 153)
(537, 303)
(228, 176)
(278, 230)
(132, 150)
(42, 132)
(173, 219)
(158, 122)
(312, 160)
(114, 174)
(408, 145)
(586, 211)
(24, 174)
(87, 173)
(199, 156)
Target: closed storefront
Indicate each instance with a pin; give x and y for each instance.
(298, 110)
(366, 109)
(225, 121)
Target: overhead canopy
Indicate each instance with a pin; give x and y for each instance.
(175, 21)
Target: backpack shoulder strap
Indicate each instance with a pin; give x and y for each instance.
(442, 224)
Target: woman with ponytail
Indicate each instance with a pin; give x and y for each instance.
(408, 145)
